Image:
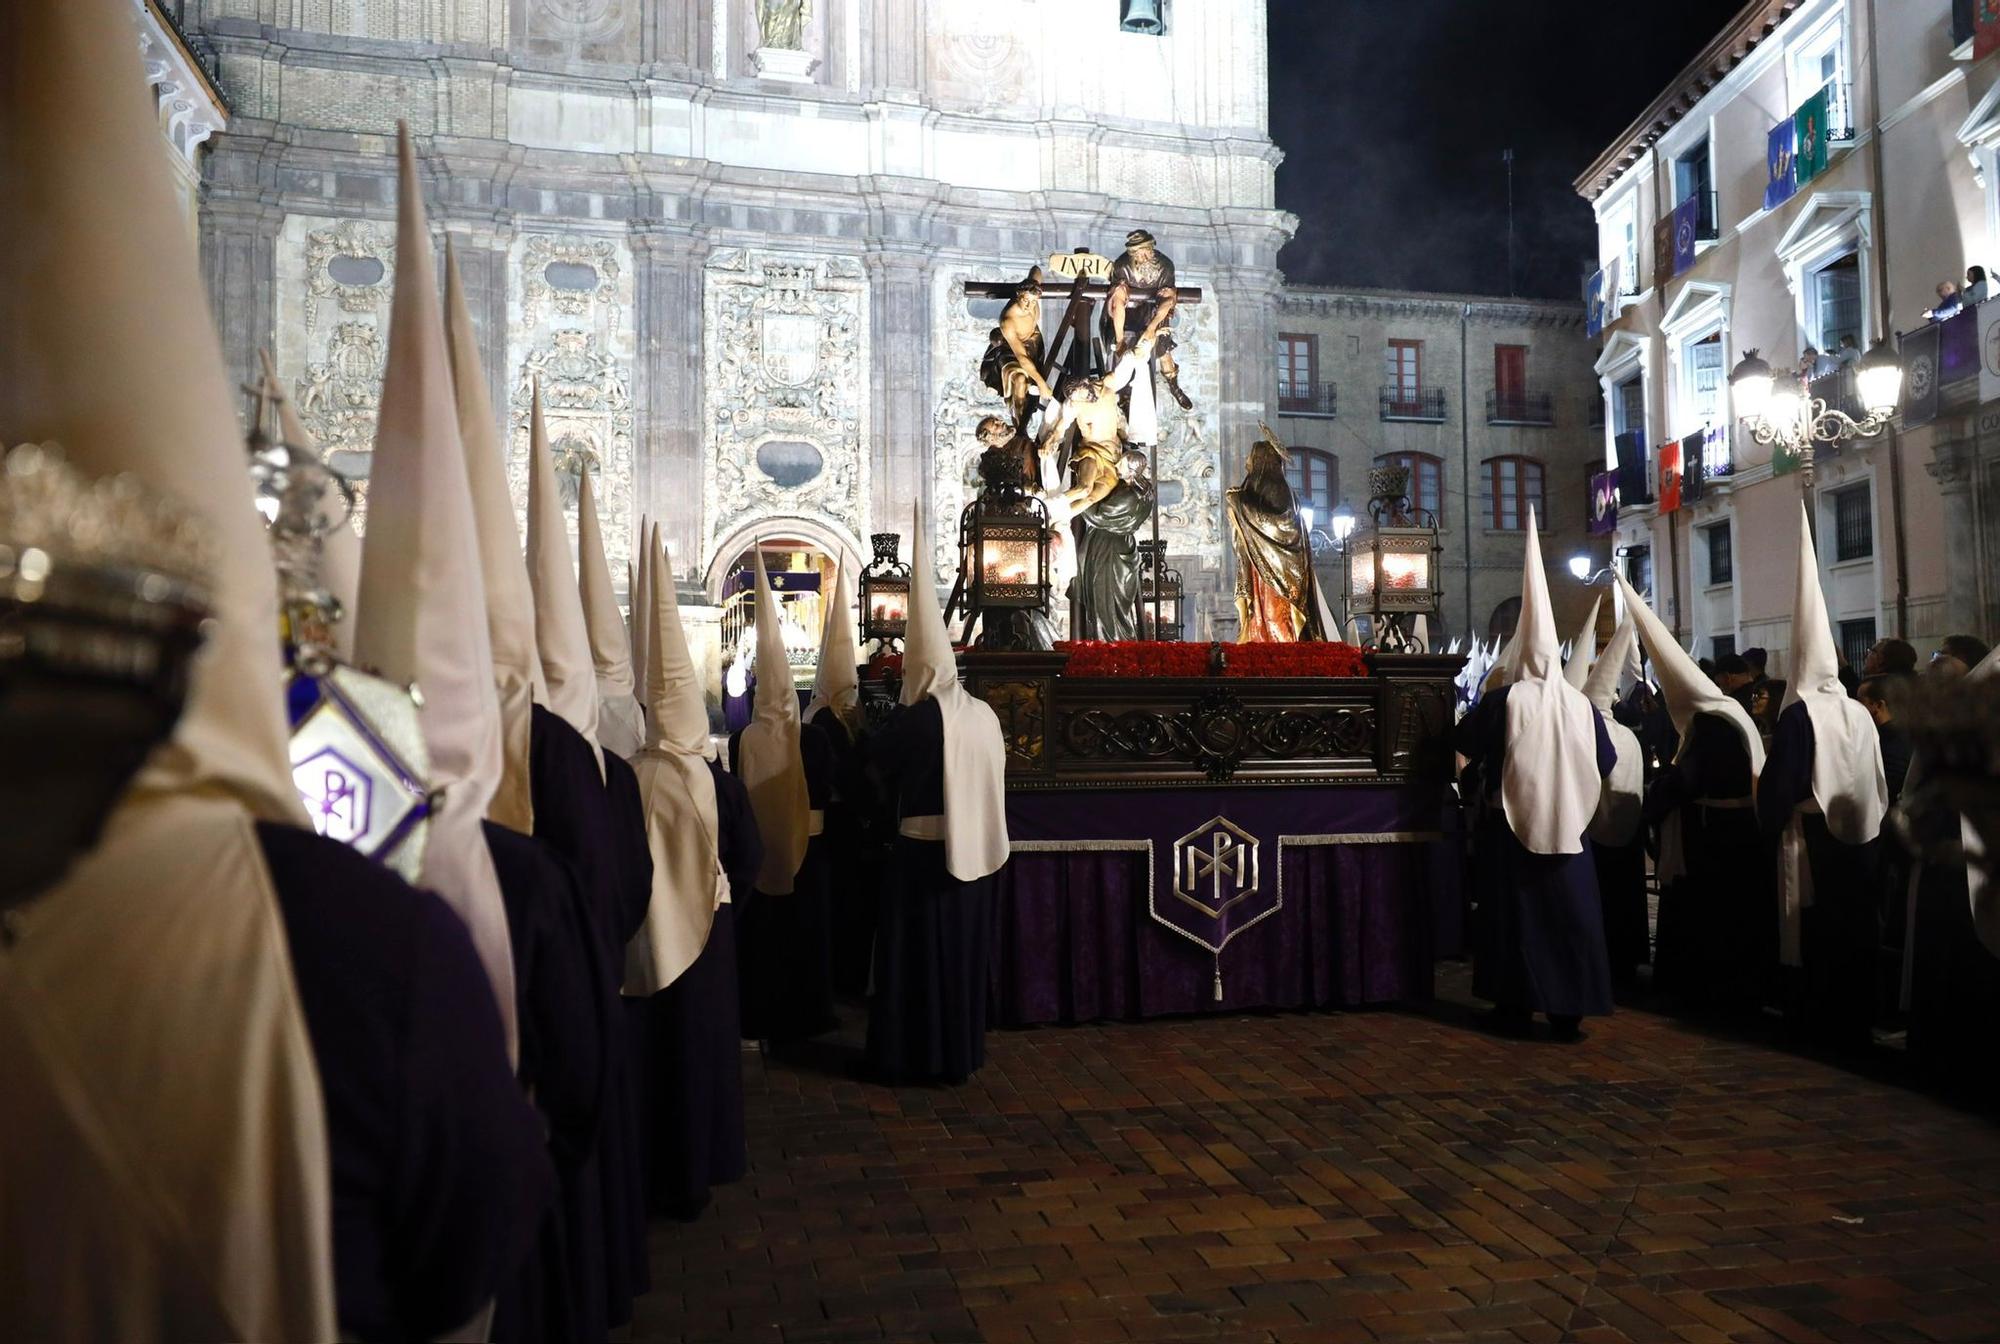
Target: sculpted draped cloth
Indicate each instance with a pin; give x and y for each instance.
(1276, 599)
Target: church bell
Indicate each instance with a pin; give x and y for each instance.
(1142, 16)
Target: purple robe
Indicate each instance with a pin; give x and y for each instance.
(1839, 933)
(440, 1176)
(784, 952)
(927, 1019)
(689, 1048)
(1540, 927)
(851, 852)
(574, 815)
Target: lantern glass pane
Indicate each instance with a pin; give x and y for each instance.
(1361, 573)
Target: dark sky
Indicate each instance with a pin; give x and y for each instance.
(1393, 115)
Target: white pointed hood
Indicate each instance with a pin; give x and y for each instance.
(340, 550)
(642, 610)
(1688, 690)
(1583, 653)
(621, 727)
(166, 1164)
(510, 606)
(1848, 781)
(422, 613)
(1602, 684)
(837, 681)
(975, 752)
(1550, 785)
(560, 634)
(1618, 815)
(682, 826)
(768, 752)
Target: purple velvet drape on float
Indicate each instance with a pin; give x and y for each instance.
(1365, 881)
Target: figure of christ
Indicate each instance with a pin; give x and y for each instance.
(1012, 365)
(1090, 405)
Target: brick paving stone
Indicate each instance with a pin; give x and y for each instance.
(1345, 1179)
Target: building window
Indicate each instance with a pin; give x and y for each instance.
(1693, 176)
(1315, 480)
(1299, 389)
(1833, 293)
(1721, 646)
(1628, 407)
(1426, 479)
(1403, 370)
(1853, 524)
(1856, 638)
(1514, 484)
(1621, 236)
(1702, 379)
(1819, 61)
(1145, 17)
(1721, 556)
(1639, 570)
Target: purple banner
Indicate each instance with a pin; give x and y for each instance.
(1603, 502)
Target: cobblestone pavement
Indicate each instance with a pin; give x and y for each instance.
(1346, 1177)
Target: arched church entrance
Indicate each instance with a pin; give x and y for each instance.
(803, 563)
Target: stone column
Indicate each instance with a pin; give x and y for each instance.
(239, 252)
(482, 264)
(1953, 469)
(899, 334)
(671, 426)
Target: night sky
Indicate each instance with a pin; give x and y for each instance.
(1393, 115)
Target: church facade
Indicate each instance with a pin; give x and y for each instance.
(729, 237)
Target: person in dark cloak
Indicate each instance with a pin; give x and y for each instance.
(940, 760)
(1617, 832)
(835, 711)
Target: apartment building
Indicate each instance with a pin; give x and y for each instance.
(1805, 182)
(1491, 404)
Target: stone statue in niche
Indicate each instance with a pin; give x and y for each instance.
(782, 23)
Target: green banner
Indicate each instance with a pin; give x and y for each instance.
(1784, 461)
(1809, 132)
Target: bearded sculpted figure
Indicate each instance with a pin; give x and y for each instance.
(782, 23)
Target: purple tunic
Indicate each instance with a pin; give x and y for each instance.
(689, 1050)
(440, 1176)
(1840, 931)
(851, 857)
(784, 952)
(927, 1020)
(1540, 923)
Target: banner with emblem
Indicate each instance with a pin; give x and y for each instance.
(1663, 251)
(1985, 28)
(1603, 502)
(1687, 226)
(1593, 303)
(1779, 183)
(1920, 376)
(1809, 139)
(1670, 477)
(1989, 348)
(1694, 466)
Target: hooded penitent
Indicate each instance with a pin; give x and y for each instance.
(422, 610)
(164, 1173)
(340, 552)
(620, 724)
(773, 771)
(837, 682)
(1550, 786)
(975, 757)
(642, 613)
(1688, 690)
(510, 606)
(560, 633)
(1584, 653)
(1618, 815)
(674, 780)
(1848, 782)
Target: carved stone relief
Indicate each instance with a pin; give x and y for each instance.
(786, 381)
(334, 278)
(983, 53)
(569, 306)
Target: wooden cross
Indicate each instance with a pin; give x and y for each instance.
(1069, 343)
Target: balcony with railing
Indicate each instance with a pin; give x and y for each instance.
(1318, 399)
(1424, 404)
(1518, 406)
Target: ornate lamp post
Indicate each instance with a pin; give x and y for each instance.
(1003, 539)
(1159, 590)
(1781, 410)
(1392, 562)
(885, 593)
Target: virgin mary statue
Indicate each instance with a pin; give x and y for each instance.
(1277, 597)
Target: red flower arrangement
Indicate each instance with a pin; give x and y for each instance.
(1169, 659)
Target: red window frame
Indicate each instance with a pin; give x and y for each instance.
(1513, 484)
(1298, 366)
(1426, 479)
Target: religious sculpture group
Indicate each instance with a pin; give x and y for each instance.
(1081, 431)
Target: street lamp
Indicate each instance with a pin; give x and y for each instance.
(885, 593)
(1003, 540)
(1159, 590)
(1579, 568)
(1392, 562)
(1782, 410)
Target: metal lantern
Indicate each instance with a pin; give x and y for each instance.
(1003, 546)
(1159, 590)
(885, 593)
(1392, 562)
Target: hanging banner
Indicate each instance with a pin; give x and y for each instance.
(1670, 477)
(1783, 460)
(1593, 303)
(1989, 348)
(1694, 466)
(1663, 252)
(1809, 139)
(1985, 28)
(1687, 225)
(1920, 376)
(1633, 487)
(1779, 183)
(1603, 502)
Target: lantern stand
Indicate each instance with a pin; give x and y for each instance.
(1159, 594)
(885, 594)
(1003, 547)
(1782, 411)
(1392, 563)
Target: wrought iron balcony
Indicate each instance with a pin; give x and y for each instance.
(1413, 403)
(1307, 399)
(1514, 406)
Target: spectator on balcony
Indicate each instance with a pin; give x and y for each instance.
(1813, 364)
(1849, 353)
(1948, 303)
(1978, 289)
